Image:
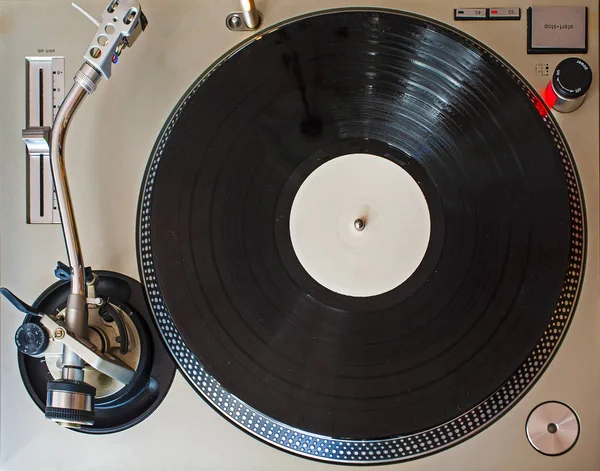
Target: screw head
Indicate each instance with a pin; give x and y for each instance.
(59, 333)
(104, 380)
(235, 21)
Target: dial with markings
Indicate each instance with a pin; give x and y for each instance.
(31, 339)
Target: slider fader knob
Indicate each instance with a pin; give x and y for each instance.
(570, 82)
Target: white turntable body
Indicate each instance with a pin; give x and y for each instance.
(109, 145)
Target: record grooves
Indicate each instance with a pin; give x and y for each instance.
(387, 377)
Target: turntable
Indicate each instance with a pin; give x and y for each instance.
(317, 232)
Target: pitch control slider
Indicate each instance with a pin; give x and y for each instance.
(45, 87)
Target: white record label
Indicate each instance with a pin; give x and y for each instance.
(360, 225)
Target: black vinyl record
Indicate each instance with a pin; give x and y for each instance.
(379, 378)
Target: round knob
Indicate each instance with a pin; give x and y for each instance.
(31, 339)
(70, 403)
(570, 82)
(552, 428)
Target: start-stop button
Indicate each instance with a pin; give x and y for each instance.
(557, 30)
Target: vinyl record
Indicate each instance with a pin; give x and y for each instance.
(325, 370)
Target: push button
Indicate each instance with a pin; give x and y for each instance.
(557, 30)
(470, 13)
(504, 14)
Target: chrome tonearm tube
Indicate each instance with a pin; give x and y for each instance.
(70, 400)
(121, 23)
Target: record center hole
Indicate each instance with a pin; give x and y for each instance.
(552, 428)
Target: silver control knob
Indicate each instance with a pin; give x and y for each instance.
(552, 428)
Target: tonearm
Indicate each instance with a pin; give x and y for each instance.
(70, 400)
